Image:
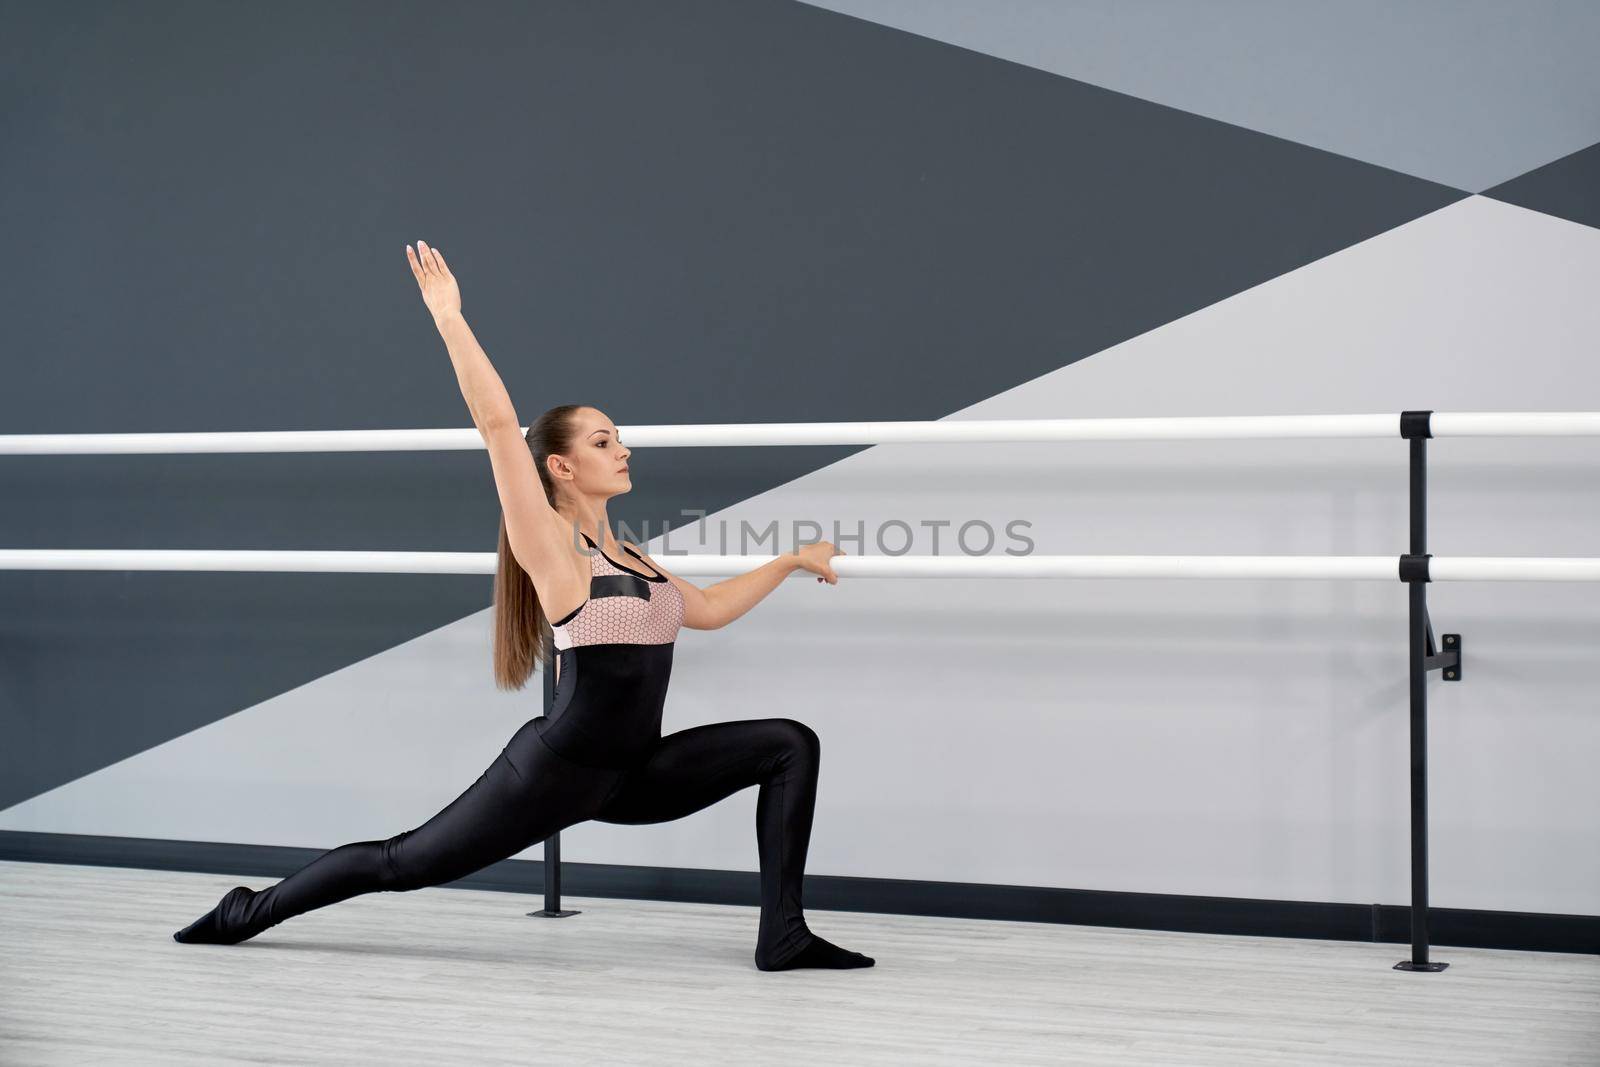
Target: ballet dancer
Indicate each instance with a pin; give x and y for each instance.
(599, 754)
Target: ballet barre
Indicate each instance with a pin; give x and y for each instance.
(698, 565)
(1416, 568)
(944, 431)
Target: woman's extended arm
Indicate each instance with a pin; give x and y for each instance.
(481, 387)
(717, 605)
(480, 383)
(533, 527)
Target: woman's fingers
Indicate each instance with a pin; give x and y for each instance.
(419, 265)
(416, 267)
(427, 260)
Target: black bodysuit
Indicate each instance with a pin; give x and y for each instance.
(598, 755)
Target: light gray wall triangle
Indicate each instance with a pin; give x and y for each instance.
(1233, 738)
(1465, 92)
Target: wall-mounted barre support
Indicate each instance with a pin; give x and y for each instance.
(552, 844)
(1414, 572)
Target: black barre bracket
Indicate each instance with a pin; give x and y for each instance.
(1416, 424)
(1414, 568)
(1449, 661)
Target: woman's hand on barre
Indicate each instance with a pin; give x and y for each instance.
(814, 558)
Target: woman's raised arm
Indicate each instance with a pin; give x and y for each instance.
(533, 527)
(481, 386)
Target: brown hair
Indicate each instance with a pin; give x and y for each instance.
(522, 635)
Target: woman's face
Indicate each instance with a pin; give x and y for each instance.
(599, 461)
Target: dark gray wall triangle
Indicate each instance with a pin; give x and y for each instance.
(1568, 188)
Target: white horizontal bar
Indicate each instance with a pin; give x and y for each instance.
(946, 431)
(188, 559)
(1513, 568)
(39, 444)
(1381, 568)
(976, 431)
(1515, 424)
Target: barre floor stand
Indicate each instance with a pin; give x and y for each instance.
(1424, 657)
(552, 844)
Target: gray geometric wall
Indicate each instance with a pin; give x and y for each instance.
(774, 211)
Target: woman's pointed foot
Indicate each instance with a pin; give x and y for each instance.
(818, 953)
(221, 925)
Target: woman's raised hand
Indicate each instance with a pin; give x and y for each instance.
(814, 558)
(439, 289)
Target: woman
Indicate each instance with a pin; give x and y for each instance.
(600, 754)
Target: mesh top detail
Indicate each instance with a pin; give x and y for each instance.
(634, 605)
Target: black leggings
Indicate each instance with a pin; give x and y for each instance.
(531, 791)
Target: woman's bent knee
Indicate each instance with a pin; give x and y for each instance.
(801, 738)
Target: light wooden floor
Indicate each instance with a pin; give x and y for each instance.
(90, 975)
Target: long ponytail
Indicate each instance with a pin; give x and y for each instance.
(522, 635)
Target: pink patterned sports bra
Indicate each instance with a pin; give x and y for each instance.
(625, 606)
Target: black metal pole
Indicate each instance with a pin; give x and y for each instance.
(1414, 425)
(552, 844)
